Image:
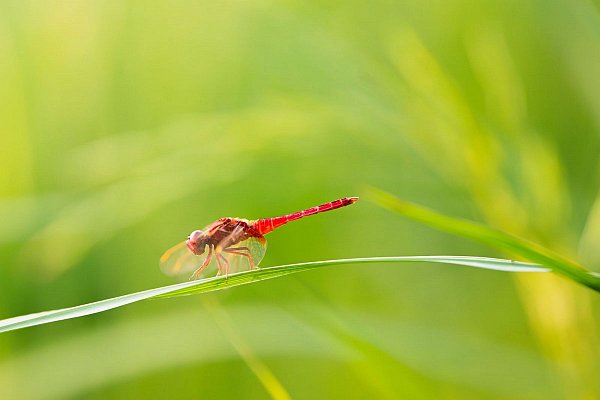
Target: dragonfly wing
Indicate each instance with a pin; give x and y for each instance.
(179, 260)
(246, 254)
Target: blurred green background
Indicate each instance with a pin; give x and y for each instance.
(127, 124)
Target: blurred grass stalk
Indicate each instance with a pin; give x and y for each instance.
(453, 137)
(264, 374)
(503, 241)
(567, 312)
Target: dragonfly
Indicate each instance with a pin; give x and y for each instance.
(235, 244)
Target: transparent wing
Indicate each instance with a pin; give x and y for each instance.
(244, 255)
(179, 260)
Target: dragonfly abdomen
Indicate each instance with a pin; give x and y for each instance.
(266, 225)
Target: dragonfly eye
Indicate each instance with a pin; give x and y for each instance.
(194, 236)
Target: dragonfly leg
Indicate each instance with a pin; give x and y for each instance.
(225, 262)
(222, 262)
(199, 270)
(241, 251)
(243, 248)
(219, 265)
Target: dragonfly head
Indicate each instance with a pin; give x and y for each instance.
(196, 242)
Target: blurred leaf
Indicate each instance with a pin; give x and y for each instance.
(434, 351)
(186, 337)
(179, 338)
(259, 368)
(491, 237)
(459, 357)
(590, 235)
(221, 282)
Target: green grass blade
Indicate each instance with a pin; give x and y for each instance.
(242, 278)
(490, 236)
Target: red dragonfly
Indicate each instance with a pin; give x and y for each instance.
(234, 243)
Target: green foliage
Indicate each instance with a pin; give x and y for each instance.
(242, 278)
(492, 237)
(126, 125)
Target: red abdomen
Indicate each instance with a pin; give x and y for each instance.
(266, 225)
